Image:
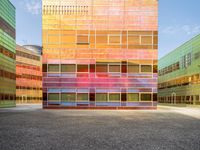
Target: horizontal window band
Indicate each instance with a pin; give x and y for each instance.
(7, 96)
(26, 55)
(27, 88)
(6, 74)
(7, 28)
(7, 52)
(28, 76)
(18, 97)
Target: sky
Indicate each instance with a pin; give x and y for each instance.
(179, 21)
(28, 22)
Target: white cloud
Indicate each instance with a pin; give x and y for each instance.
(32, 6)
(184, 29)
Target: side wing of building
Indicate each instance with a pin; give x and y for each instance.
(179, 74)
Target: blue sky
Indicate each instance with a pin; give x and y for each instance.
(28, 21)
(179, 21)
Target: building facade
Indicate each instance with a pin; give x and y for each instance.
(34, 48)
(28, 76)
(7, 54)
(179, 74)
(100, 53)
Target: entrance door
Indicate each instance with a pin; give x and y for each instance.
(24, 99)
(173, 98)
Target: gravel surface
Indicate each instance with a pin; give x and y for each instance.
(31, 128)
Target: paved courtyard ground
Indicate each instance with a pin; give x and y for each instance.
(29, 127)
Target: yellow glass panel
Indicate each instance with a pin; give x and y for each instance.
(68, 39)
(155, 40)
(53, 39)
(133, 40)
(146, 40)
(82, 39)
(114, 39)
(102, 39)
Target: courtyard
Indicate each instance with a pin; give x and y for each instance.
(29, 127)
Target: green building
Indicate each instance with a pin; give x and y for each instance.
(179, 74)
(7, 54)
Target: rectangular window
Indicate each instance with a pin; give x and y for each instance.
(53, 68)
(92, 97)
(114, 97)
(101, 68)
(155, 97)
(145, 97)
(123, 97)
(82, 96)
(133, 68)
(68, 68)
(186, 60)
(92, 67)
(146, 68)
(124, 68)
(68, 97)
(114, 68)
(132, 97)
(45, 96)
(44, 68)
(101, 97)
(197, 97)
(53, 97)
(83, 39)
(82, 68)
(155, 69)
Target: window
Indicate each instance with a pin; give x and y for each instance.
(82, 96)
(92, 97)
(53, 97)
(155, 97)
(82, 68)
(114, 68)
(123, 97)
(133, 97)
(68, 68)
(101, 68)
(44, 68)
(145, 97)
(114, 39)
(53, 68)
(92, 67)
(68, 97)
(82, 39)
(186, 60)
(124, 68)
(101, 97)
(114, 97)
(197, 97)
(197, 55)
(155, 69)
(146, 68)
(133, 68)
